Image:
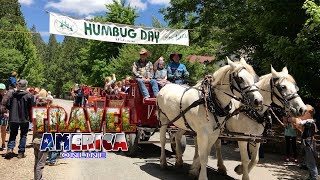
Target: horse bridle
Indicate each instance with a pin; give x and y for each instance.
(284, 99)
(244, 91)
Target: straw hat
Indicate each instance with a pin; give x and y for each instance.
(144, 51)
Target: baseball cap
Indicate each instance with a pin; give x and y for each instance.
(2, 86)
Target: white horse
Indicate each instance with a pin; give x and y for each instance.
(173, 98)
(283, 92)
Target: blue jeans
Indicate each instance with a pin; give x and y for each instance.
(30, 126)
(179, 81)
(3, 120)
(144, 90)
(23, 135)
(310, 159)
(52, 158)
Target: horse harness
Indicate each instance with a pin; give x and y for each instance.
(266, 116)
(284, 99)
(242, 90)
(211, 102)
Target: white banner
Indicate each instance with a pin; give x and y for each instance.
(64, 25)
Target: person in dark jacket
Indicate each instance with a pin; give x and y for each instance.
(4, 95)
(19, 106)
(78, 95)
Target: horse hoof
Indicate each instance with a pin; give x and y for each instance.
(238, 169)
(222, 171)
(194, 173)
(163, 166)
(178, 165)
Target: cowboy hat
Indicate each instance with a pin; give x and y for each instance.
(144, 51)
(171, 56)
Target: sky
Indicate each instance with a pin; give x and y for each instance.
(34, 11)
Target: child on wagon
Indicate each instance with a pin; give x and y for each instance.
(160, 72)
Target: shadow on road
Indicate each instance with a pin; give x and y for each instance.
(178, 173)
(274, 162)
(281, 169)
(13, 155)
(148, 151)
(29, 145)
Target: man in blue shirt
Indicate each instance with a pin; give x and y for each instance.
(177, 72)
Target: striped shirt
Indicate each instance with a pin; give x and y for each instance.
(142, 69)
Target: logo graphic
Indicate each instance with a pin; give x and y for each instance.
(65, 25)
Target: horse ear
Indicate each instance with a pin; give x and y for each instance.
(285, 70)
(274, 72)
(231, 63)
(228, 59)
(243, 61)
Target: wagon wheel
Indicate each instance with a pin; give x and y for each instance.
(132, 142)
(173, 143)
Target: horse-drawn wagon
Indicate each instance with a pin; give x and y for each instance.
(142, 115)
(188, 109)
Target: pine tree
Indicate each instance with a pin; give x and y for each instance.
(19, 53)
(37, 40)
(51, 64)
(98, 54)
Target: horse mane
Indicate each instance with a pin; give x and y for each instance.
(220, 74)
(265, 79)
(250, 69)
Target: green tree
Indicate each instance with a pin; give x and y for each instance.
(51, 64)
(98, 54)
(37, 40)
(70, 63)
(10, 60)
(268, 32)
(15, 40)
(10, 10)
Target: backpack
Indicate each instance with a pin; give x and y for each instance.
(12, 81)
(309, 130)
